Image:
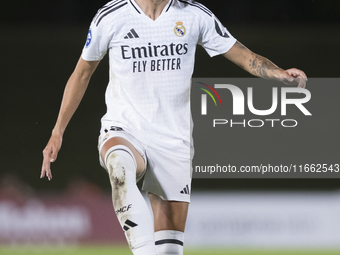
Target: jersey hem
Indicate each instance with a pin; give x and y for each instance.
(88, 58)
(159, 148)
(144, 139)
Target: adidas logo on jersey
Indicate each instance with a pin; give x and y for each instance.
(129, 223)
(186, 190)
(131, 34)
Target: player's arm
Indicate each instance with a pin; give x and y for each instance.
(261, 66)
(74, 92)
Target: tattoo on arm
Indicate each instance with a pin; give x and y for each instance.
(240, 45)
(261, 66)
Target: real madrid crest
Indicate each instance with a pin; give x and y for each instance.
(179, 29)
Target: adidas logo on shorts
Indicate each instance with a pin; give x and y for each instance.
(186, 190)
(129, 224)
(131, 34)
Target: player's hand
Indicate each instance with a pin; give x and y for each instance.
(50, 154)
(294, 76)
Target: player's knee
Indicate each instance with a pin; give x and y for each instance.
(120, 164)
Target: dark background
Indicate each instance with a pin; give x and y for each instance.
(41, 42)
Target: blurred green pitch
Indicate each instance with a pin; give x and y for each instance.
(123, 250)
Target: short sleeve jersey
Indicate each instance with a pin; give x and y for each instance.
(151, 64)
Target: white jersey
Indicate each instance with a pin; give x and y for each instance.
(151, 64)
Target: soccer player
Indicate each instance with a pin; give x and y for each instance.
(146, 130)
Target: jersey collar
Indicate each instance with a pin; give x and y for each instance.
(136, 7)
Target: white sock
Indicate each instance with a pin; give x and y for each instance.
(130, 207)
(169, 242)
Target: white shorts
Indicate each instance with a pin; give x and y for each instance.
(166, 176)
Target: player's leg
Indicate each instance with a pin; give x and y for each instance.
(169, 221)
(123, 163)
(168, 181)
